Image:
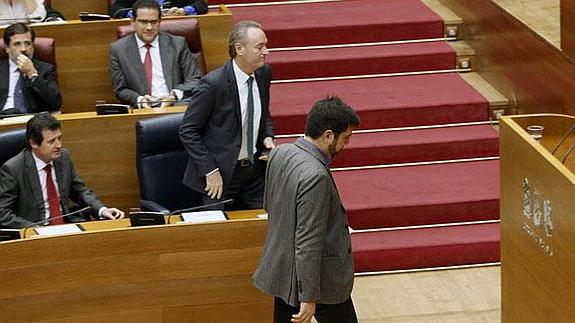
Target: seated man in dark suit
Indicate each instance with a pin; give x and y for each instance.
(150, 68)
(35, 185)
(27, 84)
(120, 8)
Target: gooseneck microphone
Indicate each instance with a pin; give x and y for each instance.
(158, 103)
(54, 218)
(565, 136)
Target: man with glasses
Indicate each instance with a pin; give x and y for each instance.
(150, 68)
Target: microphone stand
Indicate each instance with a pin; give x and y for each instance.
(54, 218)
(567, 134)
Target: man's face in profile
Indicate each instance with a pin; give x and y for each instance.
(147, 24)
(20, 44)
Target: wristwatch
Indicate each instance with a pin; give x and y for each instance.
(33, 78)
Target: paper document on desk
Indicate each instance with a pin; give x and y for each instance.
(58, 229)
(203, 216)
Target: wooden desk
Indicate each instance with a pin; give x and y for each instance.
(71, 9)
(170, 273)
(103, 149)
(82, 53)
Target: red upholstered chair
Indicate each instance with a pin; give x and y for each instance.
(44, 50)
(187, 28)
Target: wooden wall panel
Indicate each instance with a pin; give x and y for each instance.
(71, 9)
(532, 73)
(568, 27)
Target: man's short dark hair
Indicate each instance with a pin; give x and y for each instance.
(40, 122)
(332, 114)
(146, 4)
(17, 28)
(239, 35)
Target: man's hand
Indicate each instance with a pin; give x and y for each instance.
(25, 65)
(146, 101)
(270, 144)
(167, 101)
(112, 213)
(175, 11)
(214, 185)
(306, 312)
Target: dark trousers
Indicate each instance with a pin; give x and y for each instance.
(246, 188)
(324, 313)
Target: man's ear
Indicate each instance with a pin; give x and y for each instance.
(239, 49)
(32, 143)
(327, 136)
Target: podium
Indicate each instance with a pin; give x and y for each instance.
(537, 220)
(116, 273)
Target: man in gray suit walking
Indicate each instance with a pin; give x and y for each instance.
(307, 263)
(150, 68)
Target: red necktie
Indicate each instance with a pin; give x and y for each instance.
(53, 200)
(148, 67)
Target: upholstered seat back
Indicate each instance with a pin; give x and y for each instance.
(11, 143)
(188, 28)
(161, 162)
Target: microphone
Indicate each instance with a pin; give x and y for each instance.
(54, 218)
(567, 134)
(121, 13)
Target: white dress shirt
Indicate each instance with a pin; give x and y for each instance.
(242, 84)
(19, 12)
(13, 79)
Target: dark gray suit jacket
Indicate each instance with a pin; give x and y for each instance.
(41, 95)
(307, 253)
(211, 129)
(21, 201)
(180, 67)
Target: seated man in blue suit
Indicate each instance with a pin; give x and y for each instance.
(27, 85)
(35, 185)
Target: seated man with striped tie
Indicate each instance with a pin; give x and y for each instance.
(150, 68)
(36, 184)
(27, 85)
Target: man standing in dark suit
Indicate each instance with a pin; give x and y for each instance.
(35, 185)
(306, 262)
(27, 85)
(151, 68)
(121, 8)
(227, 128)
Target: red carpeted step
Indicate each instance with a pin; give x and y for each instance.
(347, 61)
(404, 146)
(425, 248)
(383, 102)
(343, 22)
(417, 195)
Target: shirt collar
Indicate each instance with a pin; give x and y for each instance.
(40, 164)
(13, 66)
(241, 76)
(142, 44)
(313, 146)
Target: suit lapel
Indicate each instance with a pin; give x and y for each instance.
(232, 88)
(4, 81)
(34, 180)
(133, 54)
(166, 52)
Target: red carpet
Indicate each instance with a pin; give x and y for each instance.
(417, 145)
(423, 248)
(405, 196)
(382, 102)
(343, 22)
(366, 60)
